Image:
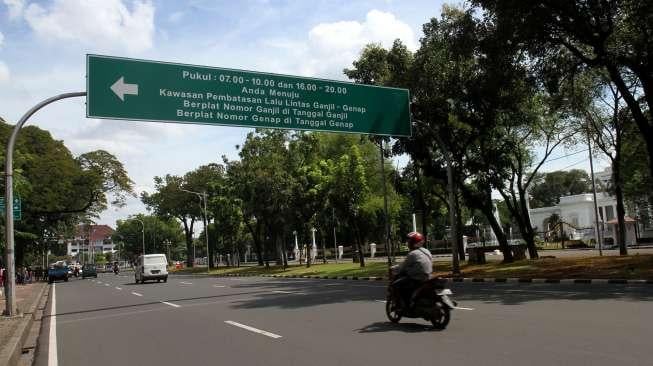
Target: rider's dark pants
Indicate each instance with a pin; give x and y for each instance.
(406, 287)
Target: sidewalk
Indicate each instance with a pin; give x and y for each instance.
(12, 329)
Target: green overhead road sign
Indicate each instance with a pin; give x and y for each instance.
(16, 207)
(121, 88)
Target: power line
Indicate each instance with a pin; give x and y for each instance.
(564, 156)
(576, 163)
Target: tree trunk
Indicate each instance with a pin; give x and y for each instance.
(359, 245)
(501, 236)
(257, 243)
(528, 234)
(308, 255)
(211, 252)
(486, 207)
(188, 234)
(621, 211)
(459, 238)
(285, 254)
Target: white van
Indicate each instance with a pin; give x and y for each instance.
(151, 267)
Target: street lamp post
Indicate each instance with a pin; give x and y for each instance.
(167, 244)
(202, 198)
(142, 231)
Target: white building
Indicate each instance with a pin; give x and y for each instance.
(577, 212)
(100, 240)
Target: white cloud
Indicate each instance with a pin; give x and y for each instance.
(4, 72)
(333, 46)
(104, 24)
(2, 39)
(176, 16)
(15, 8)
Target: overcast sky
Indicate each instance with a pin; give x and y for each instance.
(43, 46)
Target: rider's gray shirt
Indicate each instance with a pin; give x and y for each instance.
(418, 264)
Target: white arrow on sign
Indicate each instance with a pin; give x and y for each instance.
(120, 88)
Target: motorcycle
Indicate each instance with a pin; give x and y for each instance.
(116, 270)
(431, 302)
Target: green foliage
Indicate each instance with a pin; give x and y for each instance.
(158, 232)
(549, 187)
(57, 189)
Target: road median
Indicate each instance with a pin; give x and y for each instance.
(635, 269)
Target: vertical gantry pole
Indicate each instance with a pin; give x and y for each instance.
(10, 305)
(386, 222)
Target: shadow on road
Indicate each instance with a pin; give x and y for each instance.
(379, 327)
(158, 302)
(321, 292)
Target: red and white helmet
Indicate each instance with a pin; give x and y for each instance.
(415, 238)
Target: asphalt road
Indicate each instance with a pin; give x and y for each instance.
(195, 320)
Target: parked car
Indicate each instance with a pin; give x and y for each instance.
(89, 270)
(151, 267)
(57, 271)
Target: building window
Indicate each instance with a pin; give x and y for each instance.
(74, 250)
(601, 212)
(609, 213)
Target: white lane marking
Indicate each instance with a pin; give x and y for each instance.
(462, 308)
(252, 329)
(288, 292)
(238, 279)
(186, 283)
(383, 301)
(219, 286)
(118, 288)
(171, 304)
(99, 282)
(106, 284)
(334, 284)
(136, 293)
(53, 359)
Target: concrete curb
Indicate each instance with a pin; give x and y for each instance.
(17, 340)
(469, 279)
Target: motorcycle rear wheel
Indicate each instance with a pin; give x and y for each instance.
(440, 317)
(392, 311)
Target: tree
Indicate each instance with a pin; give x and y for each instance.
(58, 190)
(170, 201)
(607, 117)
(158, 232)
(547, 188)
(566, 38)
(348, 189)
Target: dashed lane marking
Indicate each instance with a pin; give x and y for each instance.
(252, 329)
(171, 304)
(219, 286)
(118, 288)
(136, 293)
(288, 292)
(186, 283)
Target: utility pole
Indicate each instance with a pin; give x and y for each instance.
(597, 228)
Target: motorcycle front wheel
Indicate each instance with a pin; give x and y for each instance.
(392, 310)
(440, 317)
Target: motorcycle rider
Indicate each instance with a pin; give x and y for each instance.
(416, 268)
(116, 269)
